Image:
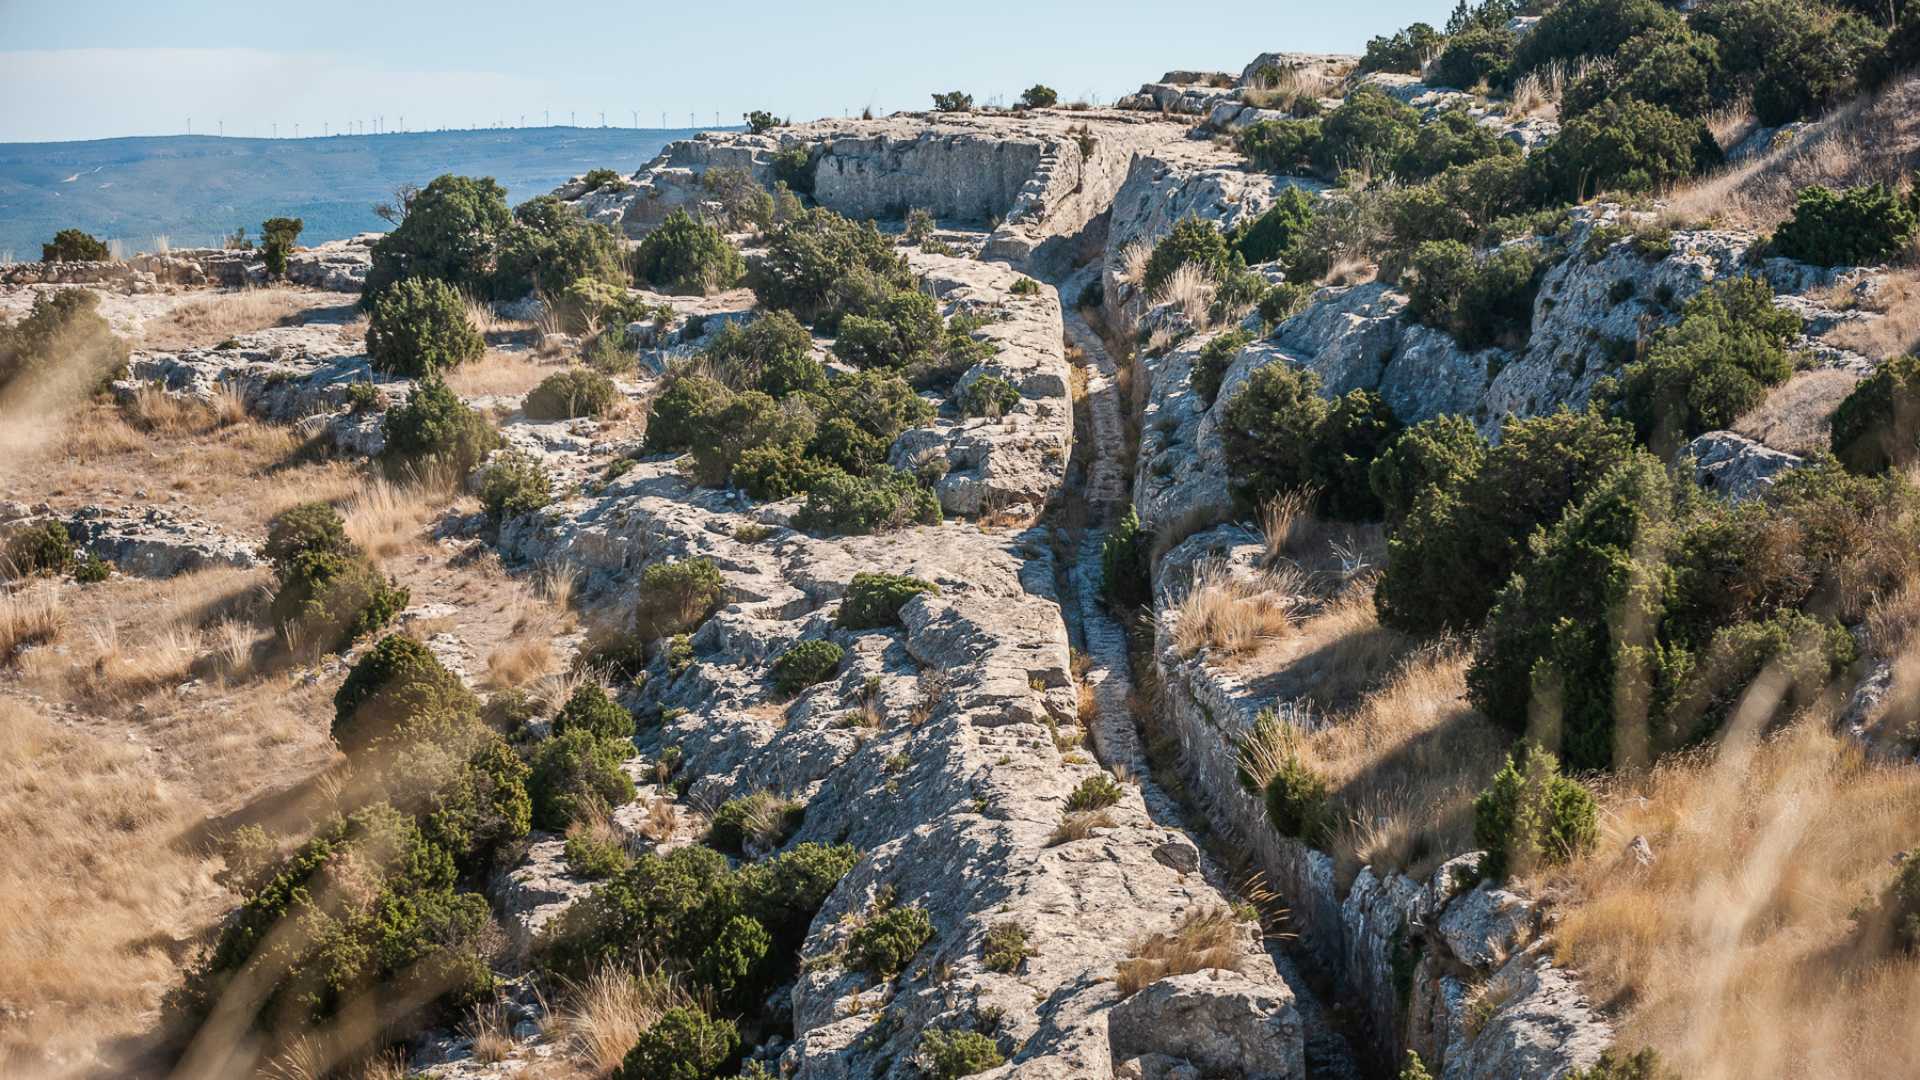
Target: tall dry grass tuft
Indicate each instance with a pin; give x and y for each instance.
(385, 517)
(214, 318)
(1209, 939)
(604, 1016)
(155, 410)
(1736, 953)
(1233, 613)
(1190, 289)
(28, 617)
(498, 374)
(1896, 329)
(1797, 416)
(1280, 87)
(1538, 92)
(1133, 262)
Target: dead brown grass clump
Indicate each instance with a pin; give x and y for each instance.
(604, 1016)
(1233, 613)
(153, 409)
(30, 616)
(1797, 416)
(1896, 331)
(1735, 953)
(385, 517)
(1205, 939)
(498, 374)
(1079, 825)
(212, 319)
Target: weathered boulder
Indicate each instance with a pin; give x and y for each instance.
(1219, 1021)
(1733, 465)
(155, 542)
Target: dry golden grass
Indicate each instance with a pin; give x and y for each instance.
(29, 616)
(95, 890)
(1896, 332)
(498, 374)
(385, 517)
(1205, 939)
(1279, 88)
(1079, 825)
(604, 1016)
(1190, 289)
(1735, 953)
(519, 662)
(491, 1031)
(1133, 262)
(1232, 613)
(1797, 415)
(152, 409)
(217, 316)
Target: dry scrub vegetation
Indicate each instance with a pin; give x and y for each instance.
(1210, 938)
(215, 317)
(1736, 952)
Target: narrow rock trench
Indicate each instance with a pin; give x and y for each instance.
(1096, 494)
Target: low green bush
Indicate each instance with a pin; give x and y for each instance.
(773, 354)
(821, 266)
(62, 343)
(1286, 147)
(1479, 301)
(683, 1044)
(1096, 792)
(1473, 56)
(575, 771)
(678, 416)
(903, 331)
(1370, 131)
(1716, 363)
(1860, 226)
(577, 391)
(1532, 816)
(1403, 52)
(1126, 557)
(1298, 803)
(852, 505)
(1669, 66)
(1583, 28)
(1796, 59)
(1615, 1064)
(676, 597)
(74, 245)
(761, 815)
(952, 101)
(950, 1055)
(435, 432)
(760, 121)
(1276, 233)
(92, 570)
(687, 256)
(1626, 145)
(327, 599)
(610, 352)
(1877, 426)
(1193, 241)
(513, 484)
(594, 857)
(1006, 948)
(806, 664)
(36, 549)
(989, 396)
(1039, 96)
(420, 326)
(1279, 434)
(874, 600)
(591, 708)
(398, 679)
(794, 167)
(884, 944)
(1440, 452)
(308, 527)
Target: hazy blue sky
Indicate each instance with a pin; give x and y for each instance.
(136, 67)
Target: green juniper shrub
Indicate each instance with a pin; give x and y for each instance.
(888, 499)
(761, 816)
(1669, 66)
(594, 857)
(950, 1055)
(1717, 362)
(1216, 357)
(591, 708)
(874, 600)
(596, 179)
(806, 664)
(1273, 235)
(1589, 28)
(743, 422)
(1474, 56)
(879, 405)
(92, 570)
(676, 597)
(1193, 241)
(420, 326)
(327, 599)
(454, 230)
(307, 527)
(1877, 426)
(397, 679)
(1480, 302)
(1860, 226)
(678, 415)
(781, 471)
(577, 391)
(884, 944)
(1039, 96)
(1006, 948)
(1404, 52)
(1531, 815)
(1280, 434)
(1298, 804)
(1096, 792)
(684, 1044)
(552, 249)
(793, 168)
(1460, 540)
(1024, 286)
(1126, 563)
(1283, 302)
(591, 302)
(278, 235)
(1443, 451)
(821, 266)
(62, 337)
(513, 484)
(989, 396)
(1452, 139)
(1901, 904)
(364, 397)
(1370, 131)
(953, 101)
(573, 771)
(43, 548)
(744, 204)
(1414, 1068)
(773, 354)
(1287, 147)
(904, 331)
(1795, 58)
(407, 943)
(1626, 145)
(435, 432)
(610, 352)
(74, 245)
(687, 256)
(760, 121)
(919, 225)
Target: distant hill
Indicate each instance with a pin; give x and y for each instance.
(194, 189)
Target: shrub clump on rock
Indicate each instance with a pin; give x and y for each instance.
(989, 396)
(420, 326)
(887, 940)
(1716, 363)
(35, 549)
(688, 256)
(1532, 816)
(676, 597)
(61, 342)
(1280, 434)
(591, 708)
(951, 1055)
(874, 600)
(683, 1044)
(1856, 227)
(577, 391)
(514, 483)
(575, 771)
(1877, 427)
(329, 592)
(73, 245)
(850, 505)
(806, 664)
(435, 432)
